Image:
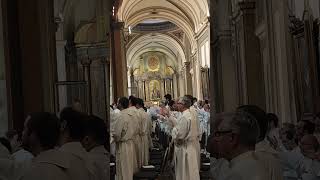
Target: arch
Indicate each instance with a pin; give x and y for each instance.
(178, 19)
(189, 15)
(157, 40)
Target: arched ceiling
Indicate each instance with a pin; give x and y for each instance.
(156, 42)
(189, 15)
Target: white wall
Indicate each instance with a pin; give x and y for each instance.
(3, 93)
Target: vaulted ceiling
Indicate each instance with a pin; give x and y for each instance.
(190, 16)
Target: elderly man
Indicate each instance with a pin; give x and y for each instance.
(236, 137)
(267, 155)
(124, 134)
(187, 147)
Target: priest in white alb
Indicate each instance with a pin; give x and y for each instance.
(124, 132)
(185, 136)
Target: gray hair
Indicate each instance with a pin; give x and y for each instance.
(185, 101)
(244, 124)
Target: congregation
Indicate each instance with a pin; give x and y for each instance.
(73, 146)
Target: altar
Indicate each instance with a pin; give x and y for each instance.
(153, 79)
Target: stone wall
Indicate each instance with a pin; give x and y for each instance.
(3, 90)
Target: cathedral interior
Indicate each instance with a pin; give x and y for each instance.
(229, 52)
(89, 53)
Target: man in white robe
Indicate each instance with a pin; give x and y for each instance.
(138, 130)
(113, 117)
(185, 135)
(146, 125)
(124, 134)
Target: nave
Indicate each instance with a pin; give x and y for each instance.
(167, 133)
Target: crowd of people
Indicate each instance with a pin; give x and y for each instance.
(73, 146)
(182, 123)
(249, 144)
(246, 144)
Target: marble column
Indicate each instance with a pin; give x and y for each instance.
(130, 81)
(86, 63)
(108, 100)
(224, 90)
(4, 123)
(175, 85)
(147, 91)
(182, 85)
(120, 78)
(140, 89)
(62, 74)
(188, 79)
(251, 67)
(31, 58)
(162, 88)
(199, 81)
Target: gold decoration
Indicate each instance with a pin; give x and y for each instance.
(153, 64)
(154, 89)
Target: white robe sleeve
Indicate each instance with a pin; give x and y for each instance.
(119, 126)
(180, 131)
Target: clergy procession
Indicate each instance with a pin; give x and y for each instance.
(247, 144)
(159, 141)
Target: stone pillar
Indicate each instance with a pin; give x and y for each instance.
(188, 79)
(223, 68)
(120, 78)
(4, 123)
(130, 83)
(182, 84)
(86, 63)
(103, 9)
(62, 74)
(147, 91)
(250, 64)
(199, 81)
(144, 91)
(30, 57)
(108, 78)
(162, 88)
(140, 94)
(175, 85)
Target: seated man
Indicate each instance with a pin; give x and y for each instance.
(95, 142)
(236, 137)
(72, 133)
(42, 131)
(309, 166)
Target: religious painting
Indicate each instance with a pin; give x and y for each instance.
(153, 64)
(154, 89)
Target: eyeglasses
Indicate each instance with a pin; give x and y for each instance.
(220, 133)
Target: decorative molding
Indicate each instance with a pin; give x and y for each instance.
(247, 5)
(296, 26)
